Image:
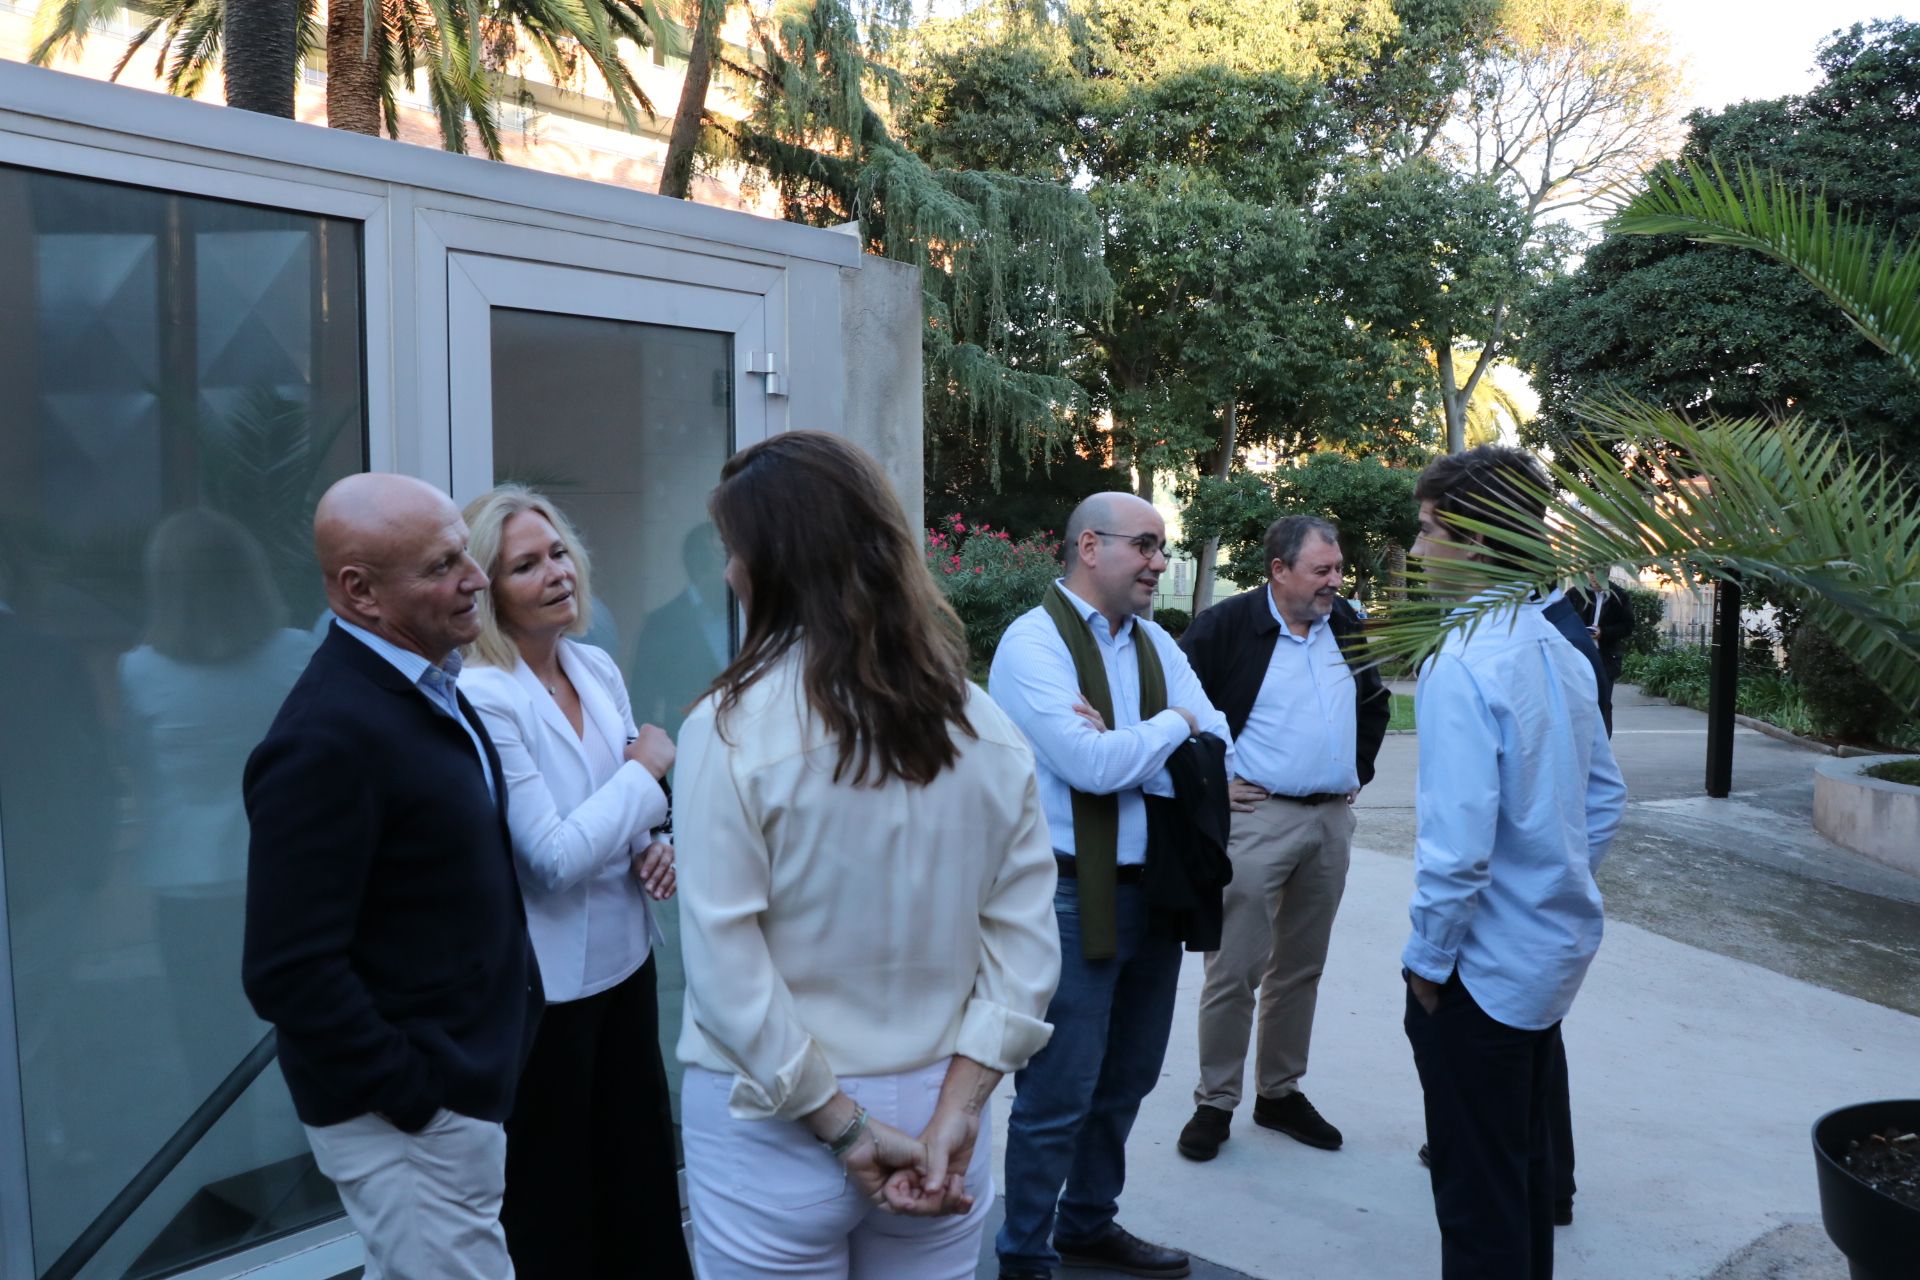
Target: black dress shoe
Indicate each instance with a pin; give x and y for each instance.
(1202, 1137)
(1563, 1213)
(1294, 1116)
(1120, 1250)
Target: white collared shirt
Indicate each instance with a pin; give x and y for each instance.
(438, 683)
(1299, 738)
(1034, 682)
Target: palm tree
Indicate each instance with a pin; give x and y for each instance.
(1779, 502)
(676, 175)
(372, 46)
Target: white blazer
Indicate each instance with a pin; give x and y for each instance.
(571, 841)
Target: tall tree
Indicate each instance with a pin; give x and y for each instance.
(262, 52)
(676, 172)
(1007, 260)
(1441, 259)
(1699, 328)
(1568, 102)
(1208, 180)
(353, 68)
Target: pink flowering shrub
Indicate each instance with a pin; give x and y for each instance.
(989, 578)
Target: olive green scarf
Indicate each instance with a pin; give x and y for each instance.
(1096, 819)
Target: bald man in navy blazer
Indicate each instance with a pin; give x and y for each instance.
(386, 936)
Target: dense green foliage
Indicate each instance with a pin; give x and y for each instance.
(1904, 772)
(1371, 503)
(1840, 697)
(1679, 674)
(989, 577)
(1705, 328)
(1649, 618)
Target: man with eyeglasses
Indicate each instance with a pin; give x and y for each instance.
(1105, 697)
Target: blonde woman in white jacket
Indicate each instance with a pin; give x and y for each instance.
(592, 1188)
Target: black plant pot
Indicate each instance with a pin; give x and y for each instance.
(1879, 1235)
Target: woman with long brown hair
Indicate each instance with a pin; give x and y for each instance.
(867, 894)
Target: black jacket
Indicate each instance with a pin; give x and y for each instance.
(1187, 868)
(386, 937)
(1565, 616)
(1616, 622)
(1231, 644)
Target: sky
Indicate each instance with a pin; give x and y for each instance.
(1740, 49)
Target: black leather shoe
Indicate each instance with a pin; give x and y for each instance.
(1120, 1250)
(1294, 1116)
(1563, 1213)
(1202, 1137)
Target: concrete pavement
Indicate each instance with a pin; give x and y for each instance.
(1753, 976)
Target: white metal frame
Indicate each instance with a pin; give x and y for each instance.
(477, 284)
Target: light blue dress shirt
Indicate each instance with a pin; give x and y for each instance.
(1299, 738)
(1519, 797)
(438, 683)
(1033, 682)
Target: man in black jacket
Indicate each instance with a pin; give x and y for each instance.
(386, 939)
(1306, 726)
(1608, 617)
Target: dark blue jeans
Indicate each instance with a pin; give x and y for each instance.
(1075, 1103)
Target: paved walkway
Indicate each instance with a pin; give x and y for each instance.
(1753, 976)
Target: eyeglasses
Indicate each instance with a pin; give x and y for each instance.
(1147, 544)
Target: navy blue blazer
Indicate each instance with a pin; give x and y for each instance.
(386, 938)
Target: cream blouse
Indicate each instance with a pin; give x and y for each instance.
(837, 930)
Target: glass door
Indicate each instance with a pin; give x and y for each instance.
(619, 398)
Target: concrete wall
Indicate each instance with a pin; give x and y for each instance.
(880, 319)
(1868, 815)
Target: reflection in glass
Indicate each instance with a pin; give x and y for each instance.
(183, 378)
(626, 425)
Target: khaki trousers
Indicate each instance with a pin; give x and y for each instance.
(426, 1204)
(1289, 871)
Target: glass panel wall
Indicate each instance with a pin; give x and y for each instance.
(180, 378)
(626, 426)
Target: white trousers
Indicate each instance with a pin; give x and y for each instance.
(767, 1199)
(426, 1204)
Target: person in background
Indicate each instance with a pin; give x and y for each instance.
(592, 1181)
(197, 695)
(1608, 614)
(1514, 816)
(1061, 668)
(385, 938)
(1307, 725)
(866, 900)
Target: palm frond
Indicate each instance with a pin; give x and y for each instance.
(1876, 285)
(60, 27)
(1784, 503)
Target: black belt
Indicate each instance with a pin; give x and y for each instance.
(1125, 873)
(1318, 797)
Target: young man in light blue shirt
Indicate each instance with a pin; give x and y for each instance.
(1519, 797)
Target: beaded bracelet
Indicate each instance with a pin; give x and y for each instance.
(850, 1135)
